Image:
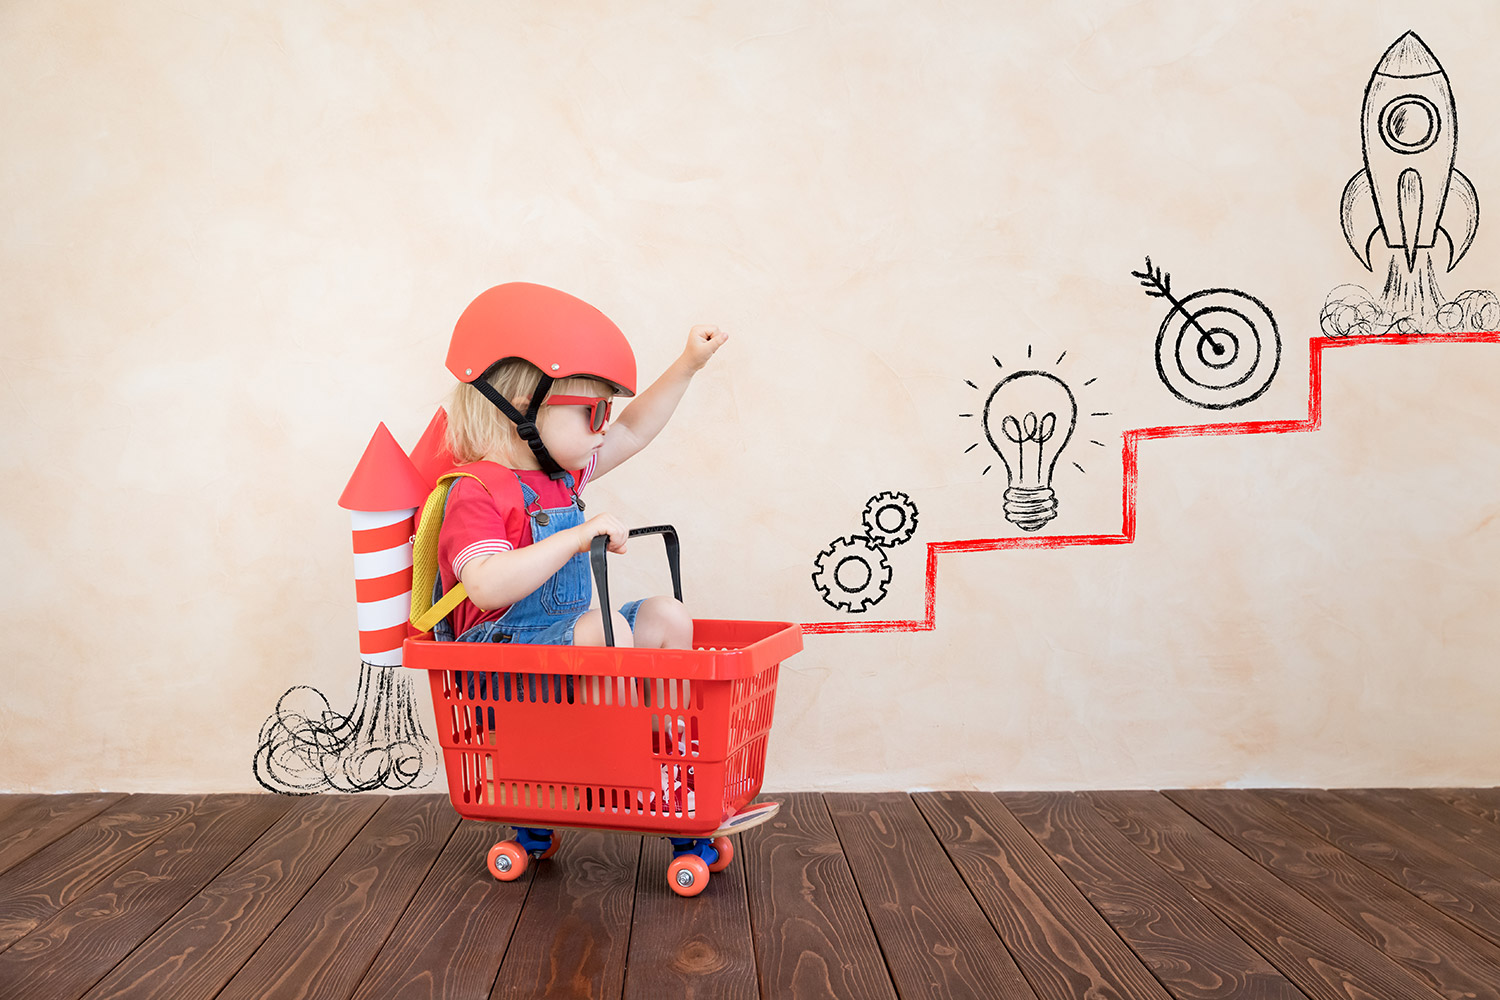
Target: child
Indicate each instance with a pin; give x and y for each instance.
(538, 372)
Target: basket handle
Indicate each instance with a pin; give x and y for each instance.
(600, 544)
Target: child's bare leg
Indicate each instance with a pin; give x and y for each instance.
(589, 630)
(663, 623)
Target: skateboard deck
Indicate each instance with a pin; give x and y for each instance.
(753, 815)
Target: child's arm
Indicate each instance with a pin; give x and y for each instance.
(503, 578)
(649, 412)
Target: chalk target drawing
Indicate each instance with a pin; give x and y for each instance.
(853, 574)
(1217, 348)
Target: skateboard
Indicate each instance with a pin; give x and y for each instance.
(753, 815)
(688, 873)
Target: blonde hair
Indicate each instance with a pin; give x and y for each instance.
(476, 427)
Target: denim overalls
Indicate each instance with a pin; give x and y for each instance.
(547, 615)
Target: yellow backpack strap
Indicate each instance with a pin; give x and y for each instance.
(424, 559)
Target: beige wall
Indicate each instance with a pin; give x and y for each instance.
(234, 237)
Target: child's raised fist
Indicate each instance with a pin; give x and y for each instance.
(703, 341)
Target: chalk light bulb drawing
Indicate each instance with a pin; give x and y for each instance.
(1028, 419)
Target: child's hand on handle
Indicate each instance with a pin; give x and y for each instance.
(703, 341)
(602, 524)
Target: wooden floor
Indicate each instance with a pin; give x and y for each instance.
(1375, 894)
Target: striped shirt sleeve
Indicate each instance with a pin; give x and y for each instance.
(485, 547)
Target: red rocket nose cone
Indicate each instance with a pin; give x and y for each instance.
(1408, 56)
(385, 479)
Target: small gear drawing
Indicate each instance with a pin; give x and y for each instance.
(890, 518)
(851, 574)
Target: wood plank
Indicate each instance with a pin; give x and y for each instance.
(72, 951)
(1191, 951)
(574, 934)
(11, 801)
(693, 947)
(451, 939)
(325, 945)
(815, 905)
(199, 950)
(1483, 803)
(812, 936)
(34, 821)
(936, 940)
(1060, 942)
(1324, 959)
(1438, 950)
(24, 804)
(1475, 840)
(1442, 879)
(38, 888)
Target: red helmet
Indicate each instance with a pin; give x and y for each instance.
(562, 335)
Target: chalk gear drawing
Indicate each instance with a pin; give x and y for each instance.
(853, 573)
(1217, 348)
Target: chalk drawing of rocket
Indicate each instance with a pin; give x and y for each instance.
(1409, 187)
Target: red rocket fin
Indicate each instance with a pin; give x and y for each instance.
(431, 455)
(384, 479)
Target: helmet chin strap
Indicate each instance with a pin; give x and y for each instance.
(526, 423)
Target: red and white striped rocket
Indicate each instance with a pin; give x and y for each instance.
(382, 498)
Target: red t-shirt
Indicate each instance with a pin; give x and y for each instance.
(479, 523)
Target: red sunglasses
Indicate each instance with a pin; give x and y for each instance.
(599, 407)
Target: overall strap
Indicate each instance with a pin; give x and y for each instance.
(425, 611)
(529, 496)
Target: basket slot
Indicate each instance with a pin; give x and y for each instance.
(493, 687)
(477, 778)
(675, 736)
(677, 797)
(675, 693)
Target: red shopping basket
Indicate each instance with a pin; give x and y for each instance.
(664, 741)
